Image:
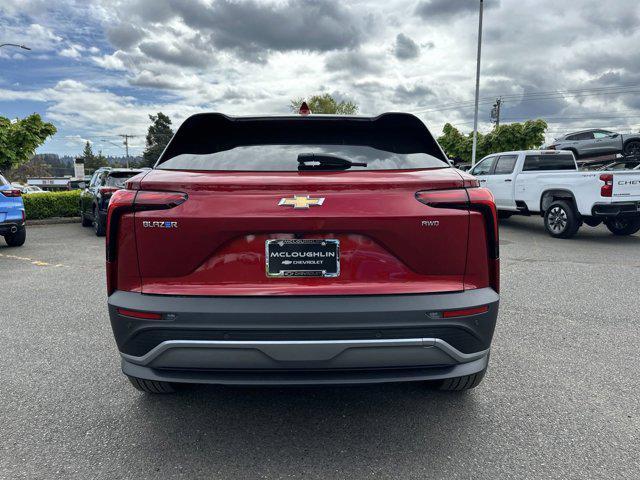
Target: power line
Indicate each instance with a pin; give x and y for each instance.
(535, 96)
(545, 92)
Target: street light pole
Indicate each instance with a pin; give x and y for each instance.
(475, 115)
(14, 45)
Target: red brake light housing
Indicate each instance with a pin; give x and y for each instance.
(472, 198)
(128, 201)
(108, 190)
(14, 192)
(607, 189)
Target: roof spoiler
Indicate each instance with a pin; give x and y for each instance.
(206, 133)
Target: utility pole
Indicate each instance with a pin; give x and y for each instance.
(495, 112)
(475, 115)
(126, 144)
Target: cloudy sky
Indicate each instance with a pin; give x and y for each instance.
(98, 68)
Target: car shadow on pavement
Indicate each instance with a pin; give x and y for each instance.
(294, 429)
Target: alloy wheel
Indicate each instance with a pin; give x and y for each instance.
(557, 220)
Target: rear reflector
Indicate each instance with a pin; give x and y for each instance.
(137, 314)
(465, 312)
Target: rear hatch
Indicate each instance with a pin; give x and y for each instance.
(258, 215)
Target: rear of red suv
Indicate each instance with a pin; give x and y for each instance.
(302, 250)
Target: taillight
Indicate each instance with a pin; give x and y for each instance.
(454, 198)
(475, 199)
(607, 189)
(108, 190)
(158, 200)
(126, 201)
(11, 193)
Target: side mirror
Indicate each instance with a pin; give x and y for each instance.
(82, 185)
(614, 135)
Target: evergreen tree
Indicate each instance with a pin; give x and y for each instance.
(158, 137)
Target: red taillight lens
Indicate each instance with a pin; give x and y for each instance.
(11, 193)
(138, 314)
(126, 201)
(454, 198)
(475, 199)
(465, 312)
(108, 190)
(607, 189)
(158, 200)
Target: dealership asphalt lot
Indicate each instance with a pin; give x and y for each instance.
(561, 399)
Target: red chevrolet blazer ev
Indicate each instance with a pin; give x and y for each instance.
(302, 250)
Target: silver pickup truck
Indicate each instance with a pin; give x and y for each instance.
(591, 143)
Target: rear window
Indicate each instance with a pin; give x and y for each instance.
(534, 163)
(216, 142)
(285, 158)
(3, 181)
(117, 179)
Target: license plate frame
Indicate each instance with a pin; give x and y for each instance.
(277, 266)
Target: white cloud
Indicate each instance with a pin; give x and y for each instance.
(244, 58)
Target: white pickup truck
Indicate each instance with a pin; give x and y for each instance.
(548, 182)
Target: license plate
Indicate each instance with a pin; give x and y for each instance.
(303, 258)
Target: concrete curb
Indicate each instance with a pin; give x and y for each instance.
(53, 221)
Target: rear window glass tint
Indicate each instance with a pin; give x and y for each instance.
(215, 141)
(285, 158)
(117, 179)
(533, 163)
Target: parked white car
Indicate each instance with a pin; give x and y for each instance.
(28, 189)
(548, 182)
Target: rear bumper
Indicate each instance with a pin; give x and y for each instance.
(10, 226)
(303, 340)
(617, 209)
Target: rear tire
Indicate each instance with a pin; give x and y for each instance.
(16, 239)
(632, 148)
(503, 215)
(151, 386)
(623, 226)
(458, 384)
(561, 220)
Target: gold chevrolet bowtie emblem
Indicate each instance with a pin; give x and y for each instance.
(301, 202)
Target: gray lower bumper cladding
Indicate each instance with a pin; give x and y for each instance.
(288, 360)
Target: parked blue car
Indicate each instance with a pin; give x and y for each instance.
(12, 217)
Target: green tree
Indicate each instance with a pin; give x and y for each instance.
(92, 162)
(512, 136)
(19, 139)
(158, 137)
(326, 104)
